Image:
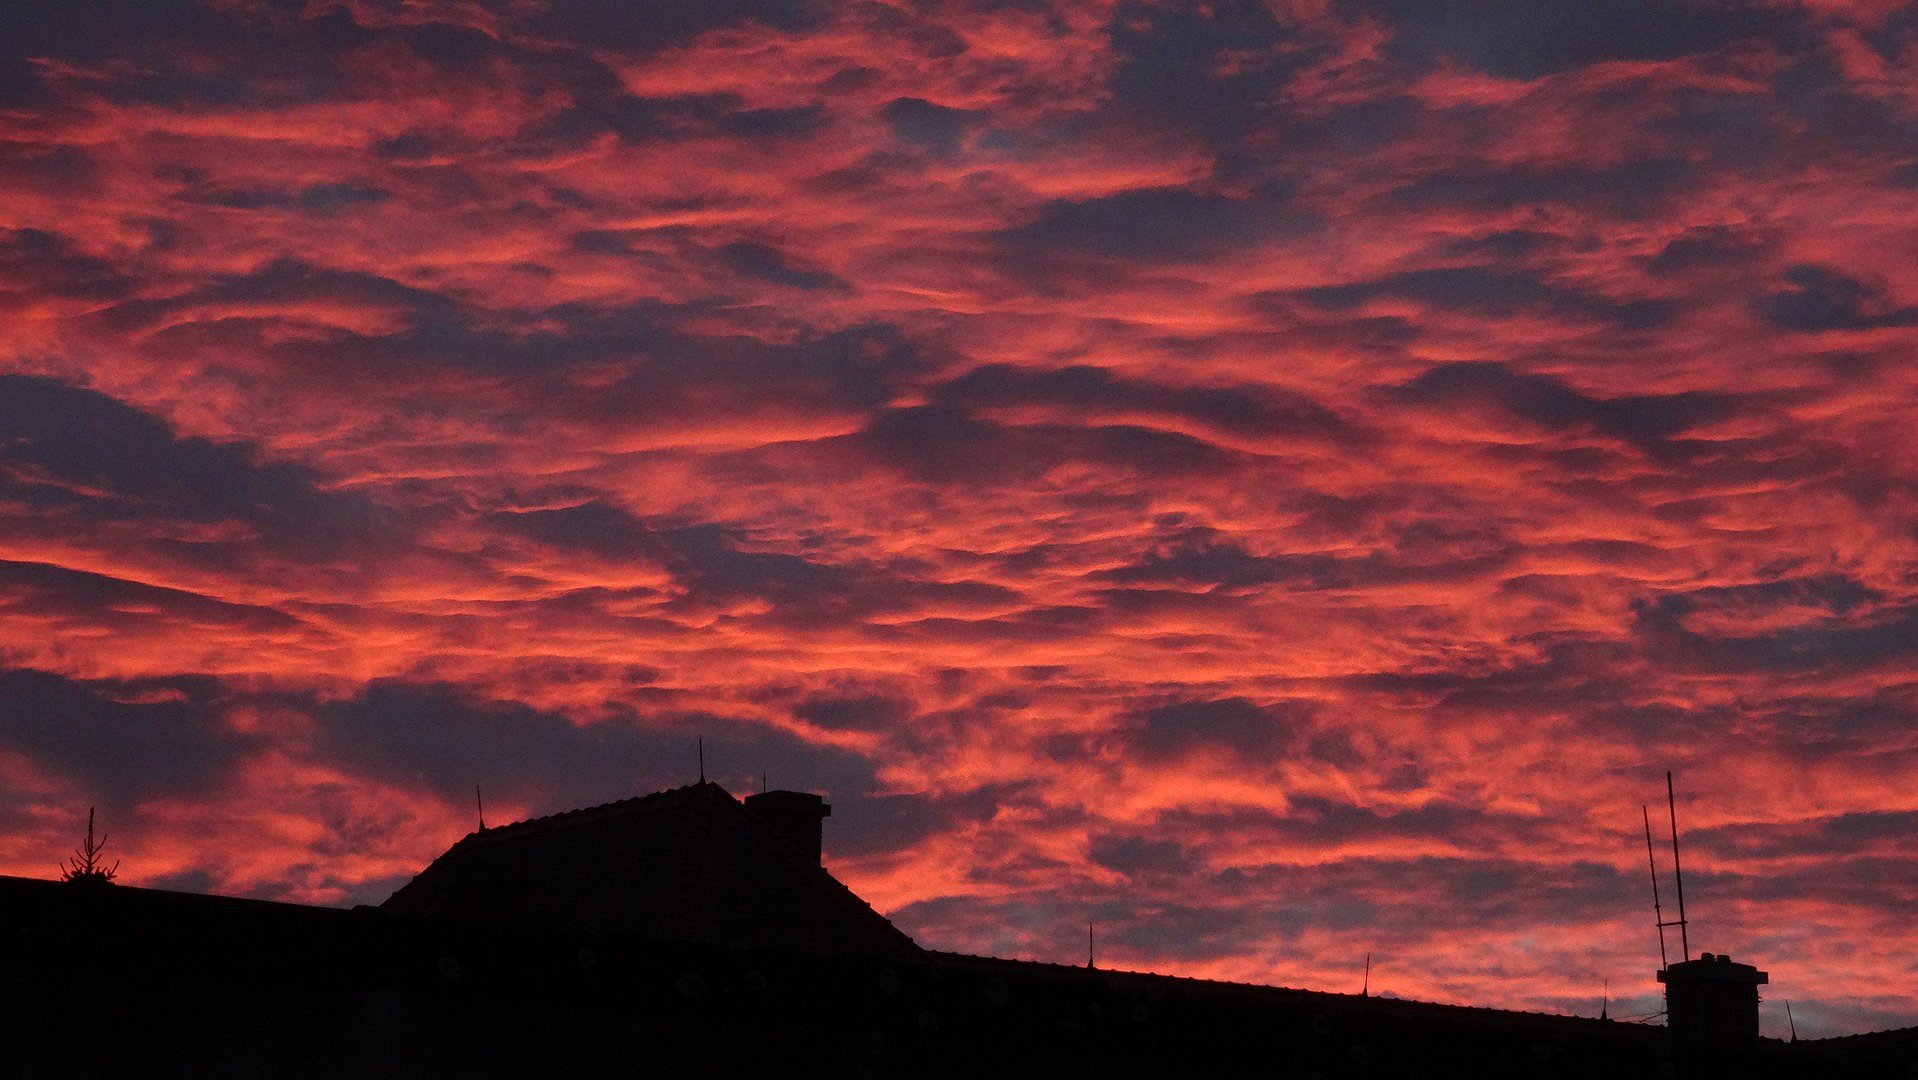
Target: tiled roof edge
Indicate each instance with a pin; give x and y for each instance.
(511, 828)
(1266, 988)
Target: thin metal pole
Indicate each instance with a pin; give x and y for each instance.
(1678, 871)
(1658, 912)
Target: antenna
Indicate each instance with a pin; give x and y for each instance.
(1658, 912)
(762, 783)
(1089, 953)
(1671, 804)
(1792, 1022)
(1605, 1010)
(702, 759)
(480, 801)
(1366, 990)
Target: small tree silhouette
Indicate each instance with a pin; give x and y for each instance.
(86, 866)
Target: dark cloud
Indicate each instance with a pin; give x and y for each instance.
(443, 739)
(614, 369)
(59, 594)
(1510, 246)
(1319, 820)
(286, 281)
(1820, 298)
(658, 25)
(1485, 291)
(1456, 894)
(592, 526)
(1704, 249)
(1522, 40)
(1633, 190)
(1826, 724)
(941, 443)
(85, 455)
(53, 30)
(1140, 856)
(1568, 676)
(1172, 224)
(311, 198)
(718, 566)
(767, 263)
(48, 169)
(1852, 833)
(34, 263)
(809, 592)
(1648, 421)
(1239, 410)
(684, 375)
(600, 103)
(867, 824)
(1820, 645)
(1211, 67)
(122, 741)
(1202, 560)
(1413, 552)
(938, 130)
(193, 53)
(1236, 725)
(793, 122)
(869, 712)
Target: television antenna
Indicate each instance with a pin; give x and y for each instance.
(1678, 874)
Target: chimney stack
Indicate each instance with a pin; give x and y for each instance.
(1712, 1001)
(795, 815)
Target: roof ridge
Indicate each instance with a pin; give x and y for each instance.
(1298, 991)
(525, 824)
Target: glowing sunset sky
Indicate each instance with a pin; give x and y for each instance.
(1283, 480)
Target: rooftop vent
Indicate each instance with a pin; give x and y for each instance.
(1713, 1000)
(795, 815)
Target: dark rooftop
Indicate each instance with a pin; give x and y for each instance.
(688, 864)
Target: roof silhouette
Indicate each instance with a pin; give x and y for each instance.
(687, 934)
(687, 864)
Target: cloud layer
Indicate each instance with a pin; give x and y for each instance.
(1282, 479)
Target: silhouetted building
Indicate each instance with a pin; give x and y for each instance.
(686, 934)
(690, 864)
(1712, 1000)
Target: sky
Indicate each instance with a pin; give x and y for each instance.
(1282, 481)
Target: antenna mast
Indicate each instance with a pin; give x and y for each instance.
(1678, 872)
(1366, 990)
(702, 759)
(480, 801)
(1658, 912)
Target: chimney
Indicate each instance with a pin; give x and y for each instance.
(795, 815)
(1712, 1001)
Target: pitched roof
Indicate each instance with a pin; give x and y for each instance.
(688, 864)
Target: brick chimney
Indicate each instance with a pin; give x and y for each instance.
(795, 815)
(1712, 1001)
